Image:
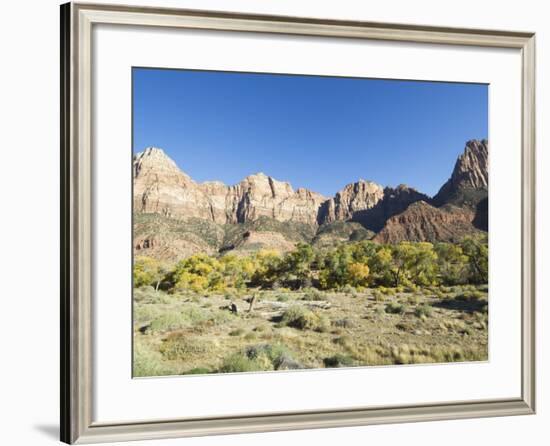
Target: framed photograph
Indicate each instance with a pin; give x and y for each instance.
(274, 223)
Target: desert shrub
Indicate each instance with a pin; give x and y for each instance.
(314, 294)
(148, 362)
(250, 336)
(169, 321)
(144, 293)
(260, 357)
(272, 351)
(176, 320)
(198, 371)
(220, 317)
(405, 326)
(452, 354)
(423, 311)
(144, 313)
(402, 354)
(179, 345)
(470, 296)
(304, 319)
(350, 290)
(282, 297)
(338, 360)
(236, 332)
(148, 295)
(378, 296)
(395, 308)
(344, 323)
(344, 341)
(230, 295)
(379, 310)
(238, 362)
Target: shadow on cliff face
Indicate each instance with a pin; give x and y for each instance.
(393, 203)
(481, 219)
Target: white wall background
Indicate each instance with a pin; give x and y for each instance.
(29, 184)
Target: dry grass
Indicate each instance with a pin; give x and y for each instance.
(186, 334)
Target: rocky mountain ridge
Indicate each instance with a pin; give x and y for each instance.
(362, 209)
(161, 187)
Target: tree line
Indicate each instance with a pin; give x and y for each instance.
(360, 265)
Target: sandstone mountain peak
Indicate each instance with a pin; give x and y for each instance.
(258, 175)
(152, 150)
(153, 158)
(354, 197)
(470, 175)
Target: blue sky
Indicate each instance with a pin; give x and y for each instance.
(315, 132)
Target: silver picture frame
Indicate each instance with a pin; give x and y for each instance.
(77, 21)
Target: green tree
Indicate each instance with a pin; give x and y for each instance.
(199, 272)
(297, 264)
(476, 249)
(267, 267)
(381, 264)
(334, 273)
(364, 250)
(423, 264)
(148, 271)
(393, 265)
(358, 274)
(452, 263)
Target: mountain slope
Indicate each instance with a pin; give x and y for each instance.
(421, 222)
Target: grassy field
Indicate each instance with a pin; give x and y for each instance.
(187, 333)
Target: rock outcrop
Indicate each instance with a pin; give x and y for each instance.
(260, 195)
(160, 187)
(469, 181)
(353, 198)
